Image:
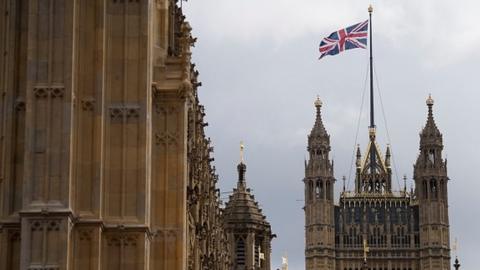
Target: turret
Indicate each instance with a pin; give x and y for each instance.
(430, 170)
(248, 231)
(430, 174)
(319, 207)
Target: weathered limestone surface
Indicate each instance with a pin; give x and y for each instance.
(102, 138)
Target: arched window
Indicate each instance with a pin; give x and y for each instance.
(310, 191)
(431, 156)
(327, 190)
(425, 189)
(318, 189)
(442, 191)
(434, 189)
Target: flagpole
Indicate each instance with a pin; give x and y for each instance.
(372, 120)
(372, 110)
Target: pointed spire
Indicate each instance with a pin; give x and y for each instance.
(430, 130)
(359, 157)
(242, 168)
(457, 264)
(318, 128)
(388, 155)
(318, 140)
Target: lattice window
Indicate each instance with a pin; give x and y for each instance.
(240, 252)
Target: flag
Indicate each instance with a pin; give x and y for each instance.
(352, 37)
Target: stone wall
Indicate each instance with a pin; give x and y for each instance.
(104, 163)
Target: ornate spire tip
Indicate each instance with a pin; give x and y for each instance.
(318, 102)
(429, 100)
(241, 151)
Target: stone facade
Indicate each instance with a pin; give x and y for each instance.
(401, 230)
(104, 163)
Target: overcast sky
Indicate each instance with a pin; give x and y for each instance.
(258, 61)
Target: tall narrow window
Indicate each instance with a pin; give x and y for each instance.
(240, 252)
(434, 189)
(425, 190)
(310, 191)
(257, 251)
(318, 189)
(431, 156)
(327, 190)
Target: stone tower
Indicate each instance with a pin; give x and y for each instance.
(103, 160)
(319, 203)
(248, 231)
(430, 174)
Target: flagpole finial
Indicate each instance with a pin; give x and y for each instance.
(370, 9)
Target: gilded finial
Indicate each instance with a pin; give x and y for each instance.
(429, 100)
(366, 250)
(318, 102)
(241, 151)
(370, 9)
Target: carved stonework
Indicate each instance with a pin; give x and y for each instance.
(114, 240)
(57, 92)
(132, 112)
(85, 234)
(48, 224)
(166, 138)
(165, 109)
(37, 225)
(130, 241)
(40, 92)
(20, 105)
(116, 113)
(89, 50)
(88, 104)
(53, 225)
(124, 112)
(119, 239)
(53, 92)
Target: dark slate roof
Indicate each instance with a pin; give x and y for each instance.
(242, 207)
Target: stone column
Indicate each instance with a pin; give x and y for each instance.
(250, 251)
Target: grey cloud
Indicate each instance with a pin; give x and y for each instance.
(260, 86)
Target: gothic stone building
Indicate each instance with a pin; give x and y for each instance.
(104, 163)
(403, 231)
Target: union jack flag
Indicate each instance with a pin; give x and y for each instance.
(352, 37)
